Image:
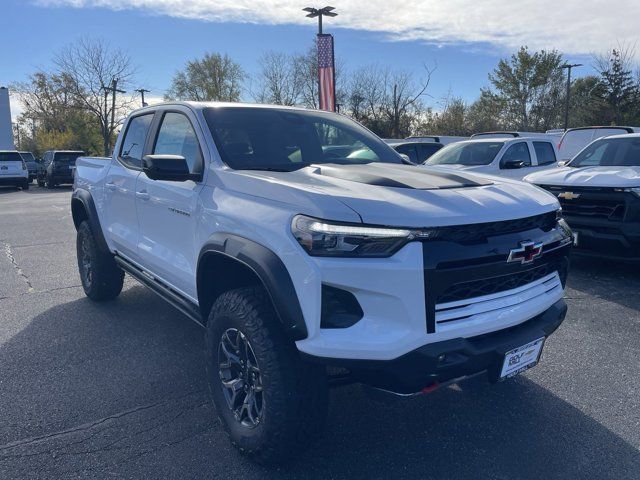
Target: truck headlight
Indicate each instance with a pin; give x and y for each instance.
(323, 238)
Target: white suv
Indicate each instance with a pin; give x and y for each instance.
(258, 223)
(505, 157)
(13, 170)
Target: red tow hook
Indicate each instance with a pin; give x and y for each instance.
(431, 388)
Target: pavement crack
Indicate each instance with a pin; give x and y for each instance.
(21, 274)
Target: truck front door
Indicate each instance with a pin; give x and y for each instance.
(168, 210)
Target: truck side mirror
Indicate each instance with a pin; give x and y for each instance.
(563, 163)
(405, 159)
(168, 167)
(513, 164)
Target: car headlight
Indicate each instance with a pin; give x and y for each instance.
(323, 238)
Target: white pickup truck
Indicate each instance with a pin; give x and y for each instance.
(257, 223)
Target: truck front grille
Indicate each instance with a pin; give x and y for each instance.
(489, 286)
(592, 202)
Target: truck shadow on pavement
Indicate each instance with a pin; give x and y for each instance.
(118, 390)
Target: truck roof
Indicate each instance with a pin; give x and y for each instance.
(201, 105)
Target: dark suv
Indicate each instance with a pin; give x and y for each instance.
(58, 167)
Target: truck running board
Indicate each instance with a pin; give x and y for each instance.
(184, 305)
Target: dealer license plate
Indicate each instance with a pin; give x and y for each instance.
(522, 358)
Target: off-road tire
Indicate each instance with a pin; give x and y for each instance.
(295, 393)
(25, 185)
(105, 279)
(40, 182)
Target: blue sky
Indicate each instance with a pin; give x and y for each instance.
(161, 35)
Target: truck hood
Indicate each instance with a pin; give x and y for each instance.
(622, 177)
(399, 195)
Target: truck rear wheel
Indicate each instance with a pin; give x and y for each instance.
(101, 278)
(271, 403)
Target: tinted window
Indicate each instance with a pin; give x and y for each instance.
(425, 150)
(410, 151)
(545, 153)
(466, 153)
(177, 137)
(66, 157)
(134, 139)
(10, 157)
(518, 152)
(27, 156)
(279, 139)
(618, 152)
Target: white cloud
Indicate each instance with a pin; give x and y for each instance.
(572, 26)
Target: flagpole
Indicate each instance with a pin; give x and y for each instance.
(320, 12)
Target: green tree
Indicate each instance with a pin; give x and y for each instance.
(618, 88)
(530, 85)
(214, 77)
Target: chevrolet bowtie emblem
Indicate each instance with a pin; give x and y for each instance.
(568, 195)
(526, 253)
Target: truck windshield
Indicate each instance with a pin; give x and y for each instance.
(10, 157)
(609, 152)
(466, 153)
(252, 138)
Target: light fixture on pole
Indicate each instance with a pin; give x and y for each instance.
(568, 67)
(320, 12)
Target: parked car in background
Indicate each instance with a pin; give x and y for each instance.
(418, 151)
(32, 164)
(58, 167)
(295, 257)
(512, 157)
(599, 191)
(443, 139)
(514, 134)
(13, 170)
(575, 139)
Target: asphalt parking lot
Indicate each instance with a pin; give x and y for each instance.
(118, 390)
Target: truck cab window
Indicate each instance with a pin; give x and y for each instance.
(177, 137)
(134, 140)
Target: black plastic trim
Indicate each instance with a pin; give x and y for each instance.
(186, 306)
(84, 197)
(449, 359)
(270, 270)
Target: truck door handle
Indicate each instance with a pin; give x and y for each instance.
(111, 186)
(143, 195)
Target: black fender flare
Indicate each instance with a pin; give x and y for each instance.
(271, 271)
(83, 197)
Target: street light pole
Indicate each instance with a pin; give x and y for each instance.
(113, 89)
(322, 12)
(568, 67)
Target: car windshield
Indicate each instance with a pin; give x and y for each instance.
(250, 138)
(609, 152)
(66, 157)
(10, 157)
(466, 153)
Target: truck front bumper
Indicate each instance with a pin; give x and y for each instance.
(442, 361)
(602, 238)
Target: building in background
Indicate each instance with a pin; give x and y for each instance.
(6, 130)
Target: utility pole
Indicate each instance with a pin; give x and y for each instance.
(113, 89)
(142, 91)
(568, 67)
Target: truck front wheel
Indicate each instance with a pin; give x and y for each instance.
(101, 278)
(270, 402)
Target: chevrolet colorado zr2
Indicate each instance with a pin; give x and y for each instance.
(296, 253)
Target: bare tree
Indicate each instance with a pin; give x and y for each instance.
(91, 67)
(280, 79)
(402, 94)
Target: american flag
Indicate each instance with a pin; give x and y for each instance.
(326, 73)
